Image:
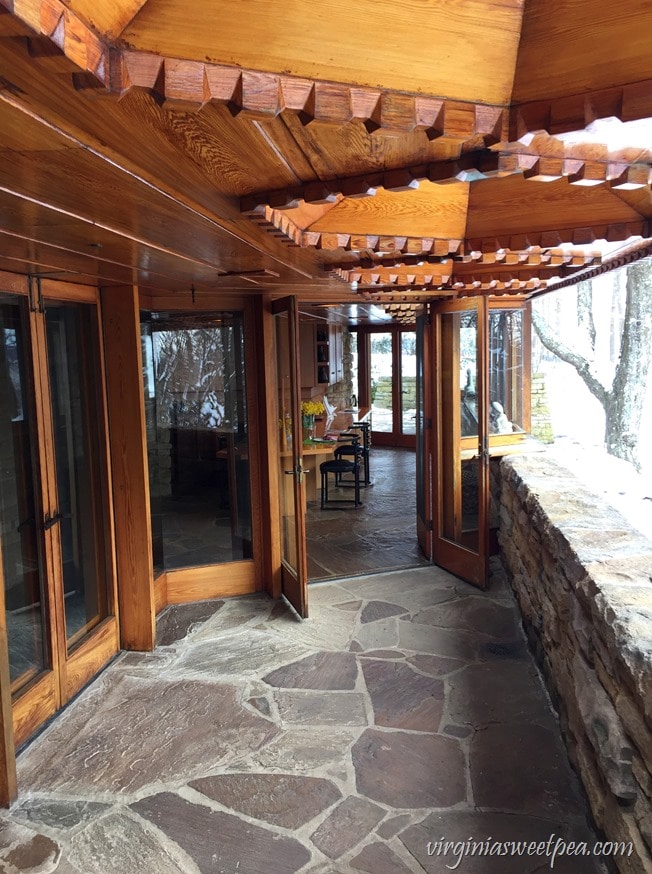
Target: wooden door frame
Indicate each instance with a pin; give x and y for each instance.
(458, 559)
(364, 332)
(294, 582)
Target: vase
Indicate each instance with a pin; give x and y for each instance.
(308, 425)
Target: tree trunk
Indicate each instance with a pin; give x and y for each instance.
(626, 400)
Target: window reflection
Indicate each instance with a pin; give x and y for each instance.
(506, 413)
(197, 438)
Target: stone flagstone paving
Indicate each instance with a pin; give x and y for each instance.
(407, 709)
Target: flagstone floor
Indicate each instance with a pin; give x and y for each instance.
(406, 710)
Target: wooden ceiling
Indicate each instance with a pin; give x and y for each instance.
(405, 150)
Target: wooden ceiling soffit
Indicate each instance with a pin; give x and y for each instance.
(278, 224)
(67, 37)
(567, 114)
(471, 167)
(451, 279)
(551, 239)
(190, 85)
(525, 258)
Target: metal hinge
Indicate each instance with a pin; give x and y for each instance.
(35, 294)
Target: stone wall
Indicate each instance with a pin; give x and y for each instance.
(583, 579)
(541, 426)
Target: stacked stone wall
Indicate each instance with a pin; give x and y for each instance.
(583, 579)
(541, 422)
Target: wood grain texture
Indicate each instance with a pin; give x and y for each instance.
(34, 706)
(214, 581)
(87, 660)
(503, 206)
(596, 45)
(107, 17)
(469, 51)
(120, 315)
(429, 211)
(8, 785)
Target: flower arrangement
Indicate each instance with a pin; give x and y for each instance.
(312, 408)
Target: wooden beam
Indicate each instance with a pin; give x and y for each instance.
(185, 84)
(8, 784)
(75, 40)
(126, 407)
(567, 114)
(470, 167)
(528, 257)
(577, 236)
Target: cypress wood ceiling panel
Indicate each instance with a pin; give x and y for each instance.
(430, 211)
(572, 48)
(107, 17)
(154, 168)
(465, 49)
(514, 203)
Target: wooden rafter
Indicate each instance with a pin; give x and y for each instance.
(566, 114)
(471, 167)
(74, 40)
(526, 258)
(278, 223)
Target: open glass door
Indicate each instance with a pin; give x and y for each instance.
(294, 562)
(461, 482)
(423, 421)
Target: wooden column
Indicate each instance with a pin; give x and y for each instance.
(8, 788)
(128, 446)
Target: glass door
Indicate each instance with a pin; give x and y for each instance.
(292, 500)
(57, 548)
(461, 482)
(423, 421)
(392, 369)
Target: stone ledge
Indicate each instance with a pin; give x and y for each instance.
(583, 579)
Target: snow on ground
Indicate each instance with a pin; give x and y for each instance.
(612, 479)
(578, 425)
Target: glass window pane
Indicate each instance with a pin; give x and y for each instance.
(73, 360)
(21, 566)
(468, 346)
(197, 437)
(381, 381)
(408, 382)
(505, 371)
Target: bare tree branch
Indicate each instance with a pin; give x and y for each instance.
(585, 311)
(581, 365)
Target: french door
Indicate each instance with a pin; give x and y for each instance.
(292, 499)
(393, 386)
(461, 456)
(55, 513)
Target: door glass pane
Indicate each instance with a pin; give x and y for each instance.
(77, 420)
(459, 404)
(506, 345)
(420, 419)
(288, 510)
(408, 382)
(381, 381)
(197, 438)
(21, 565)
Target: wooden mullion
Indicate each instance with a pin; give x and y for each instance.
(8, 783)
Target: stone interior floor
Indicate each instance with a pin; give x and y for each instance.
(381, 535)
(407, 709)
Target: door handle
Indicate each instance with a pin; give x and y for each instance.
(296, 471)
(51, 521)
